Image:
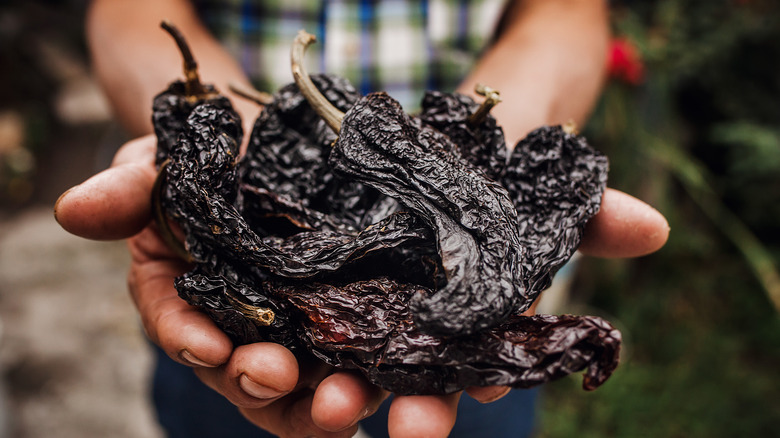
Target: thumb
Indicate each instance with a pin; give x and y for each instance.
(115, 203)
(624, 227)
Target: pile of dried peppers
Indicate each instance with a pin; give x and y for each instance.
(405, 247)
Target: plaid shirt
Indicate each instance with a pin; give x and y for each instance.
(402, 47)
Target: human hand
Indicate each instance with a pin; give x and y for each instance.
(265, 380)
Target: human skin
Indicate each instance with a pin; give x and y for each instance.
(548, 65)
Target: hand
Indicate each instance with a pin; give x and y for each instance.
(265, 380)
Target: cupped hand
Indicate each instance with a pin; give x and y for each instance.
(265, 380)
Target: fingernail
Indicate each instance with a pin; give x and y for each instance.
(365, 413)
(57, 204)
(190, 358)
(497, 396)
(256, 390)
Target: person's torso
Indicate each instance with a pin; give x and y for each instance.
(402, 47)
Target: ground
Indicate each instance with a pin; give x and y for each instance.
(72, 353)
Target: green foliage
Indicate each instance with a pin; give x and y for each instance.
(751, 148)
(700, 140)
(693, 366)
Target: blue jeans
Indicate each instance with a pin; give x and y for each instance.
(187, 408)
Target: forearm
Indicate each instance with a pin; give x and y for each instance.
(134, 59)
(548, 64)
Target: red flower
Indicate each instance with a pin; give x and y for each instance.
(624, 62)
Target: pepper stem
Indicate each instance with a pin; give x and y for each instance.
(260, 315)
(570, 127)
(492, 98)
(193, 86)
(259, 97)
(329, 113)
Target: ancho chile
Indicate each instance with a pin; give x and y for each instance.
(403, 247)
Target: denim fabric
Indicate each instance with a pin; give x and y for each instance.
(511, 416)
(188, 408)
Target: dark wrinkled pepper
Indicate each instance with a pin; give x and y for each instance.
(171, 108)
(472, 216)
(403, 247)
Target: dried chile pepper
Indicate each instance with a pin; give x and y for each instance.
(356, 274)
(171, 108)
(288, 151)
(201, 190)
(479, 139)
(203, 163)
(228, 295)
(472, 216)
(368, 326)
(196, 198)
(213, 225)
(556, 181)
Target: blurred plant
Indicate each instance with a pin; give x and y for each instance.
(760, 143)
(701, 117)
(17, 163)
(624, 62)
(699, 138)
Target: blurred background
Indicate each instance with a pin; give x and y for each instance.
(73, 360)
(690, 119)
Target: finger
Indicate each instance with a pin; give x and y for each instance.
(487, 394)
(113, 204)
(291, 417)
(624, 227)
(422, 416)
(255, 376)
(343, 399)
(184, 333)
